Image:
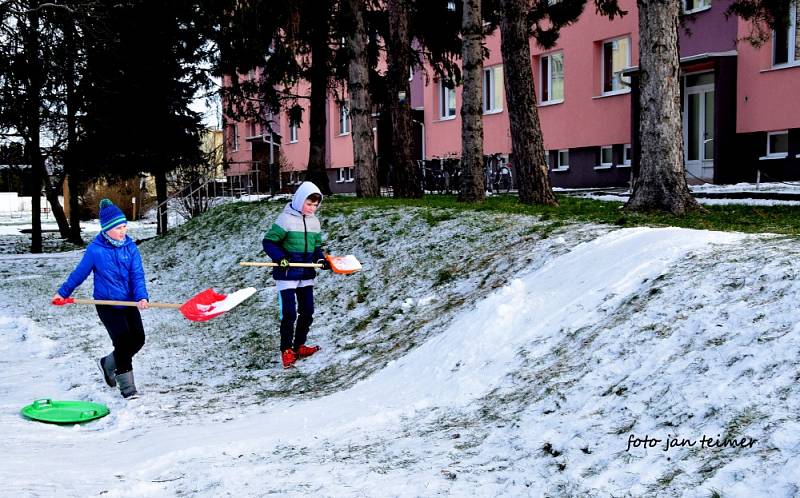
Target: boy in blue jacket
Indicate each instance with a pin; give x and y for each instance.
(295, 237)
(119, 276)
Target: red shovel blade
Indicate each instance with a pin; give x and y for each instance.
(208, 304)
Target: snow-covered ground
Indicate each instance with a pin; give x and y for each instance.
(476, 354)
(738, 192)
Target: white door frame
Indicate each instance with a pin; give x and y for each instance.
(703, 167)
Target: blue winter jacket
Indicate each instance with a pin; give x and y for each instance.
(118, 271)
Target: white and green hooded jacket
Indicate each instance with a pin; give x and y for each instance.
(295, 237)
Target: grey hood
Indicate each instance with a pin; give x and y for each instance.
(303, 191)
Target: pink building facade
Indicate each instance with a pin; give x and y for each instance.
(741, 106)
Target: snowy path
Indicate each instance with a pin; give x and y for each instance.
(453, 369)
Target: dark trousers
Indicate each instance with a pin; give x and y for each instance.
(296, 305)
(124, 326)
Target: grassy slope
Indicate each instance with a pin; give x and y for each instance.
(420, 265)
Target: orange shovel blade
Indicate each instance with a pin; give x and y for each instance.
(343, 265)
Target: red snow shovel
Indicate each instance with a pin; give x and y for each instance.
(200, 308)
(343, 265)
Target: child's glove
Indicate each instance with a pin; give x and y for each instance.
(58, 300)
(325, 264)
(283, 264)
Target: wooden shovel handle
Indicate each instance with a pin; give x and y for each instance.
(125, 303)
(295, 265)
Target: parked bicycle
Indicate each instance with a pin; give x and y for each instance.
(497, 175)
(439, 176)
(432, 179)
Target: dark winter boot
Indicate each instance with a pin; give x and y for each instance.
(108, 367)
(126, 385)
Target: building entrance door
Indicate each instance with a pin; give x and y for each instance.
(698, 126)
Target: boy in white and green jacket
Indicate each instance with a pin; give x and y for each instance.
(295, 237)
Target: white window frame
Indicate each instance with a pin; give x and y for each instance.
(700, 6)
(345, 175)
(792, 57)
(549, 78)
(344, 120)
(776, 155)
(607, 164)
(293, 133)
(252, 127)
(627, 154)
(560, 165)
(492, 89)
(446, 94)
(235, 137)
(625, 81)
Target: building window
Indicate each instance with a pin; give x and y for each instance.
(616, 57)
(626, 155)
(552, 78)
(786, 41)
(493, 89)
(344, 120)
(253, 129)
(562, 160)
(690, 6)
(293, 132)
(345, 175)
(234, 137)
(606, 157)
(447, 101)
(778, 144)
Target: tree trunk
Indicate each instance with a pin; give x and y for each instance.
(360, 103)
(70, 168)
(320, 60)
(472, 189)
(32, 145)
(51, 193)
(161, 200)
(526, 132)
(661, 183)
(406, 179)
(74, 209)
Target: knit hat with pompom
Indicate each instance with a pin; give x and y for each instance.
(110, 215)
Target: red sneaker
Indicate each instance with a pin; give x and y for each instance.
(288, 357)
(304, 350)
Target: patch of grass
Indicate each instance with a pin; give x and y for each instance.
(434, 216)
(362, 324)
(363, 290)
(748, 219)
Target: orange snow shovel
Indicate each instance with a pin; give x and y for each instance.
(200, 308)
(343, 265)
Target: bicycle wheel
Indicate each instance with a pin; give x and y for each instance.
(504, 181)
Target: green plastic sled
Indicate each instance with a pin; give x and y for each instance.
(64, 412)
